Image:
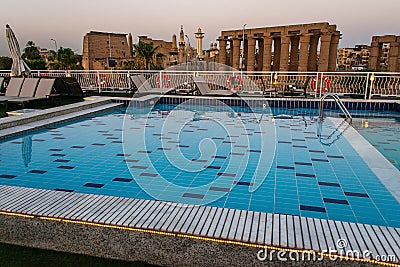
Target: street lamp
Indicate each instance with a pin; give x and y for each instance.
(242, 57)
(55, 43)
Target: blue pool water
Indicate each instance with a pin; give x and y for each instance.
(383, 134)
(216, 160)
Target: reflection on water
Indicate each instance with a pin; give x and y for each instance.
(26, 150)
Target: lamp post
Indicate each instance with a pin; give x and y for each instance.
(242, 54)
(371, 78)
(55, 43)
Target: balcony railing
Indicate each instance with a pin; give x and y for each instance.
(363, 84)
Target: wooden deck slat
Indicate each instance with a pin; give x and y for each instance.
(164, 224)
(180, 222)
(379, 250)
(128, 216)
(283, 240)
(306, 235)
(125, 214)
(118, 209)
(367, 240)
(254, 227)
(9, 196)
(220, 223)
(334, 232)
(268, 229)
(43, 201)
(37, 198)
(298, 232)
(391, 241)
(328, 236)
(290, 232)
(104, 211)
(64, 198)
(262, 227)
(248, 227)
(213, 224)
(358, 237)
(23, 198)
(275, 230)
(351, 240)
(191, 219)
(162, 216)
(86, 207)
(6, 194)
(180, 219)
(175, 219)
(200, 218)
(149, 217)
(230, 224)
(320, 234)
(137, 215)
(66, 209)
(203, 229)
(313, 234)
(92, 210)
(383, 240)
(240, 225)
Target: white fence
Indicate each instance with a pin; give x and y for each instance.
(364, 84)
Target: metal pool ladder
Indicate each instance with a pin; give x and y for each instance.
(338, 102)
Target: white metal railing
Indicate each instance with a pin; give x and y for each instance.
(364, 84)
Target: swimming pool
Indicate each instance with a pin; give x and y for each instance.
(214, 160)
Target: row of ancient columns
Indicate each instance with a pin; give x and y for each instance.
(376, 55)
(290, 52)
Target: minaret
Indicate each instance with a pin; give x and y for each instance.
(199, 37)
(181, 37)
(182, 48)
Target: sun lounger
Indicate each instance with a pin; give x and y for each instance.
(144, 87)
(43, 91)
(13, 89)
(205, 89)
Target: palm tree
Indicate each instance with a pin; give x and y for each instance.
(64, 59)
(146, 52)
(31, 52)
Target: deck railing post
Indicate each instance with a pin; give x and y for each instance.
(98, 81)
(366, 86)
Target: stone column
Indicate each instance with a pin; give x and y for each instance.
(235, 53)
(393, 55)
(251, 51)
(284, 60)
(323, 61)
(304, 44)
(312, 57)
(260, 57)
(266, 64)
(333, 52)
(222, 51)
(373, 62)
(277, 54)
(294, 54)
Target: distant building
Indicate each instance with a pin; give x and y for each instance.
(355, 58)
(105, 50)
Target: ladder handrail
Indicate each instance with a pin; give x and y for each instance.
(338, 102)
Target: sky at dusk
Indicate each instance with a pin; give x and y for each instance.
(68, 21)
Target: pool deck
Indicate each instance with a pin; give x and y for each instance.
(21, 208)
